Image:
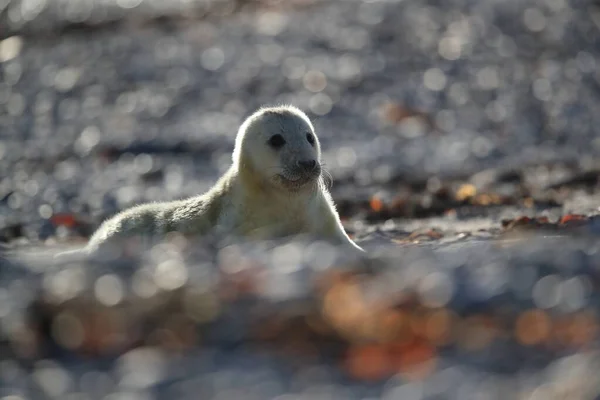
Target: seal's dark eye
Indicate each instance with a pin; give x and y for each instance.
(311, 139)
(276, 141)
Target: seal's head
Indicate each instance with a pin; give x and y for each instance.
(279, 145)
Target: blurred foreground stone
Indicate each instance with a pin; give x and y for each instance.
(507, 318)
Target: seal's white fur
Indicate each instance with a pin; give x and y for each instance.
(263, 195)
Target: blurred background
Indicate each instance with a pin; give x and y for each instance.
(448, 126)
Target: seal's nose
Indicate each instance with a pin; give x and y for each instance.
(307, 165)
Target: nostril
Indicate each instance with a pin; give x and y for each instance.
(307, 165)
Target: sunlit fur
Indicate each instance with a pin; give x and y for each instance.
(263, 195)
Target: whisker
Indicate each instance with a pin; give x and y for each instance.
(327, 179)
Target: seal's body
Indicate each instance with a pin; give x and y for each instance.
(274, 188)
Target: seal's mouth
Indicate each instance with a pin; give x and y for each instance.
(295, 179)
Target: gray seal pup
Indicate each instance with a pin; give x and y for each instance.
(273, 189)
